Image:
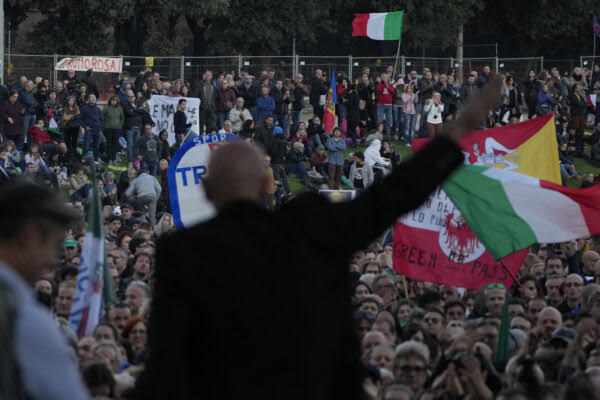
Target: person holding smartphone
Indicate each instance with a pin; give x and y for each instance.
(434, 109)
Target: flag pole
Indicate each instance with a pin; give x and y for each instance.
(396, 63)
(505, 268)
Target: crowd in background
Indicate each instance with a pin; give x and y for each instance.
(419, 340)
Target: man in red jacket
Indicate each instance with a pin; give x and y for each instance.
(385, 94)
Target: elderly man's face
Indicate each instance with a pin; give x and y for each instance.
(412, 372)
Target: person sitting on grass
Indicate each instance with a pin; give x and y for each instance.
(294, 161)
(318, 161)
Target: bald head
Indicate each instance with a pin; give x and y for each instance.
(589, 259)
(549, 320)
(236, 173)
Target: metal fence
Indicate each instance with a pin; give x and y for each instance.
(192, 68)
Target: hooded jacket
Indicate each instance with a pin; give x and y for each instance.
(372, 155)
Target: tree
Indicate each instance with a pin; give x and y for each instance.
(263, 28)
(77, 27)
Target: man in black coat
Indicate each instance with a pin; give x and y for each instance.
(256, 305)
(317, 89)
(90, 80)
(180, 124)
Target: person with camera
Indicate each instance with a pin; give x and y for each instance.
(433, 110)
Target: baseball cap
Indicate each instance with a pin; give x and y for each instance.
(565, 335)
(125, 205)
(70, 242)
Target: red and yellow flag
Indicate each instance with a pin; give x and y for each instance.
(329, 116)
(529, 148)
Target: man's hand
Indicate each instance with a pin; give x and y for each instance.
(472, 115)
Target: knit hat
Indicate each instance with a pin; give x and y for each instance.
(277, 131)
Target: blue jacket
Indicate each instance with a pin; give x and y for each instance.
(266, 106)
(28, 101)
(336, 151)
(545, 99)
(91, 116)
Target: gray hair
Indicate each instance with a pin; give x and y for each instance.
(411, 348)
(377, 280)
(398, 387)
(111, 344)
(143, 286)
(298, 146)
(139, 233)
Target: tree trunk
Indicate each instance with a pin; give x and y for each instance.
(198, 29)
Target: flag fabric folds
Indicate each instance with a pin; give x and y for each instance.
(329, 115)
(52, 125)
(435, 242)
(509, 211)
(595, 25)
(379, 26)
(94, 282)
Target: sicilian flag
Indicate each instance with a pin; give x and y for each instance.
(329, 116)
(379, 26)
(509, 211)
(435, 243)
(52, 125)
(595, 25)
(93, 279)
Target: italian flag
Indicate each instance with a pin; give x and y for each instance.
(94, 283)
(509, 211)
(52, 125)
(379, 26)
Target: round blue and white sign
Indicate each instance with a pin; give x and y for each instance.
(188, 167)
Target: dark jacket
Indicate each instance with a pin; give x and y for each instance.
(225, 99)
(319, 355)
(180, 124)
(28, 101)
(149, 148)
(15, 111)
(206, 92)
(277, 149)
(365, 91)
(250, 95)
(91, 116)
(133, 116)
(317, 89)
(281, 104)
(577, 105)
(92, 85)
(467, 91)
(352, 100)
(297, 99)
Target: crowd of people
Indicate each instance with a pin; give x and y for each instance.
(418, 340)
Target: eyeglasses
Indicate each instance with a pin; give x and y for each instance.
(416, 369)
(496, 286)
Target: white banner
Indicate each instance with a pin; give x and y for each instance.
(97, 64)
(162, 109)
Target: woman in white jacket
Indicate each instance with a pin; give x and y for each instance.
(380, 165)
(434, 109)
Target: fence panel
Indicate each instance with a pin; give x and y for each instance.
(283, 66)
(32, 66)
(307, 65)
(519, 67)
(376, 65)
(561, 65)
(195, 67)
(589, 61)
(439, 65)
(473, 64)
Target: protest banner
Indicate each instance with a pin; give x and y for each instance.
(434, 244)
(162, 109)
(189, 165)
(97, 64)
